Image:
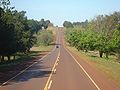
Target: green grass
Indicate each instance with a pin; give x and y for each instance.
(43, 48)
(109, 66)
(19, 59)
(34, 52)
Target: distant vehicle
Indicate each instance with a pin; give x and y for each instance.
(57, 46)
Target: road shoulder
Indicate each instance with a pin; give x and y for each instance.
(99, 77)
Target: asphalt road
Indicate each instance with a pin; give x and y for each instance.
(60, 70)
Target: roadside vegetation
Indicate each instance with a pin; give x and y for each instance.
(98, 40)
(18, 35)
(100, 34)
(45, 37)
(110, 67)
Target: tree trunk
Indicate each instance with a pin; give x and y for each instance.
(2, 59)
(118, 57)
(101, 54)
(107, 55)
(14, 57)
(8, 57)
(86, 51)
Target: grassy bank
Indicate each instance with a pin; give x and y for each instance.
(21, 58)
(42, 48)
(110, 67)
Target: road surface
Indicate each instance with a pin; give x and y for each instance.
(60, 70)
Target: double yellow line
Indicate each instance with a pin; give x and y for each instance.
(48, 81)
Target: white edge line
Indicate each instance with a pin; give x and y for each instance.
(84, 71)
(26, 68)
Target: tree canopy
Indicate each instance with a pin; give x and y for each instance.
(101, 33)
(16, 30)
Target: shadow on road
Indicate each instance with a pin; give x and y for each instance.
(36, 71)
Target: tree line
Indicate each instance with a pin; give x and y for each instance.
(17, 32)
(102, 34)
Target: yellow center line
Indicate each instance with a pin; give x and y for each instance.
(46, 85)
(54, 70)
(25, 69)
(50, 84)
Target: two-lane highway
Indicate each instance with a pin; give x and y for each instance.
(73, 73)
(69, 76)
(59, 70)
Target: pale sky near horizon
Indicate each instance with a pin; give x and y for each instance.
(57, 11)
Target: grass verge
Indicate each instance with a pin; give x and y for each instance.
(42, 48)
(21, 58)
(110, 67)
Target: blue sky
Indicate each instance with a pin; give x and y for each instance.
(57, 11)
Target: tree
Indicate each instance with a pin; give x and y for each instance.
(67, 24)
(116, 41)
(104, 27)
(44, 23)
(24, 35)
(47, 22)
(15, 34)
(7, 37)
(80, 24)
(101, 34)
(34, 25)
(16, 31)
(4, 4)
(44, 37)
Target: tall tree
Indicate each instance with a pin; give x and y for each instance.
(7, 36)
(67, 24)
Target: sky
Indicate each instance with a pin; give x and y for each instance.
(58, 11)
